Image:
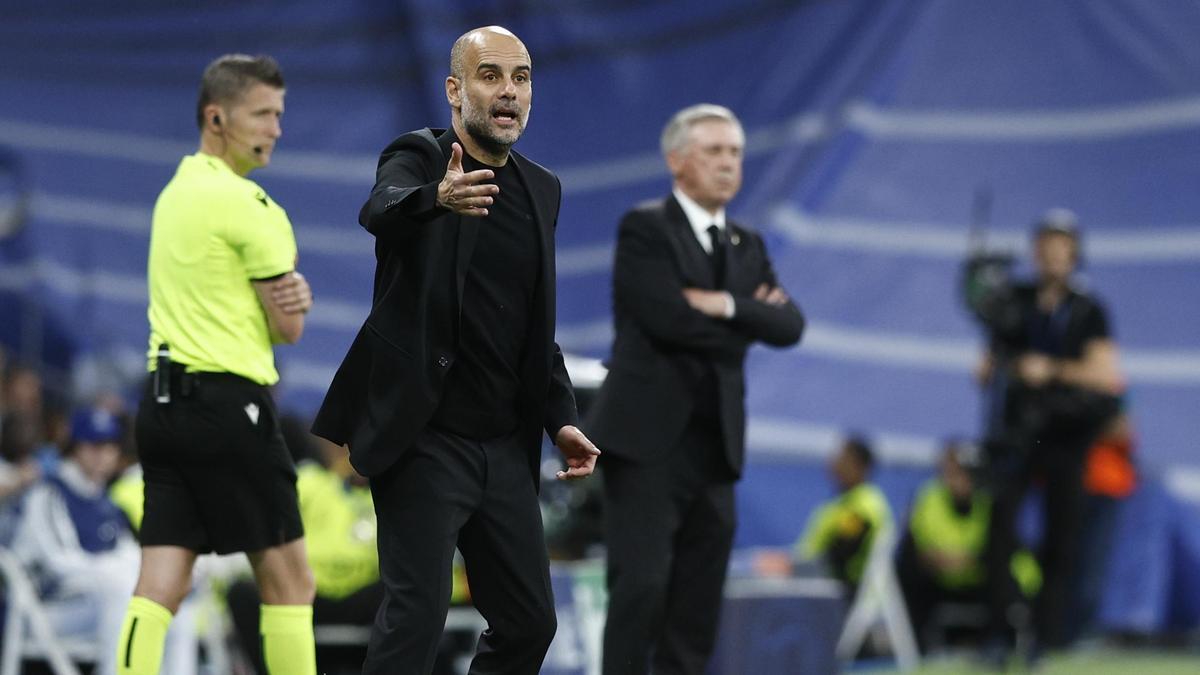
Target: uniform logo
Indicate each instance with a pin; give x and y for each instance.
(261, 197)
(251, 412)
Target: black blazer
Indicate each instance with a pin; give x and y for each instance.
(390, 382)
(663, 346)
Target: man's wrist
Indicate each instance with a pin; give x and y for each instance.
(730, 305)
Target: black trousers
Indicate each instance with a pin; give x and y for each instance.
(670, 526)
(449, 491)
(1058, 462)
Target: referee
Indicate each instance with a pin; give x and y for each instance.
(223, 290)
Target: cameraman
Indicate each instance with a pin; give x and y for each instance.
(1057, 377)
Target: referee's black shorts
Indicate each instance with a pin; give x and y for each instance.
(219, 477)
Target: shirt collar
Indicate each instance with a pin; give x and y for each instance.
(215, 162)
(699, 218)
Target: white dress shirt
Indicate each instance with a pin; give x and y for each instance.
(700, 219)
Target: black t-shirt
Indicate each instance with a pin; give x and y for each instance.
(1059, 413)
(1064, 332)
(479, 400)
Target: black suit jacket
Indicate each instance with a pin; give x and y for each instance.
(663, 346)
(390, 381)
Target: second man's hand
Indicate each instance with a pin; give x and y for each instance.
(772, 295)
(579, 453)
(465, 193)
(710, 303)
(1036, 370)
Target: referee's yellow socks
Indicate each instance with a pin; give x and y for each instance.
(288, 647)
(140, 649)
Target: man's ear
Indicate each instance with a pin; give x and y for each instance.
(453, 92)
(214, 116)
(674, 162)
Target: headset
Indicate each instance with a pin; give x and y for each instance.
(216, 120)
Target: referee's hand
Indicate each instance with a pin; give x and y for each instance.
(292, 294)
(579, 453)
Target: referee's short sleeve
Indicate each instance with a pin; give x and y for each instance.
(259, 230)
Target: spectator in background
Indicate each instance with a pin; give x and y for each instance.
(22, 392)
(1109, 478)
(78, 547)
(941, 554)
(18, 471)
(22, 408)
(1062, 366)
(18, 466)
(16, 475)
(841, 532)
(21, 431)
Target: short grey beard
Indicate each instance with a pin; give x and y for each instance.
(477, 126)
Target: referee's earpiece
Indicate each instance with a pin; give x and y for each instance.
(216, 122)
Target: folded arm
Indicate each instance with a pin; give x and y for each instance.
(645, 283)
(1096, 370)
(768, 315)
(285, 300)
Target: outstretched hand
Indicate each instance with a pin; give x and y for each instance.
(579, 453)
(465, 193)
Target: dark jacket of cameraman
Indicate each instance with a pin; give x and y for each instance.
(1056, 410)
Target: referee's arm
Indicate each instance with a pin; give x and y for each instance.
(285, 299)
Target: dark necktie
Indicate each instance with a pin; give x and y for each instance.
(718, 255)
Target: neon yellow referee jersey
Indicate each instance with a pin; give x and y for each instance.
(214, 232)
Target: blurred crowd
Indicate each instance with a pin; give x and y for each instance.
(71, 504)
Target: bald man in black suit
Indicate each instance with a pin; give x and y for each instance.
(455, 375)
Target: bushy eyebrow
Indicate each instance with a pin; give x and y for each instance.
(496, 66)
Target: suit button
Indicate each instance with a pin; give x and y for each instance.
(443, 361)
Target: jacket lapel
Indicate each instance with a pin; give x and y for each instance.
(544, 207)
(468, 229)
(694, 258)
